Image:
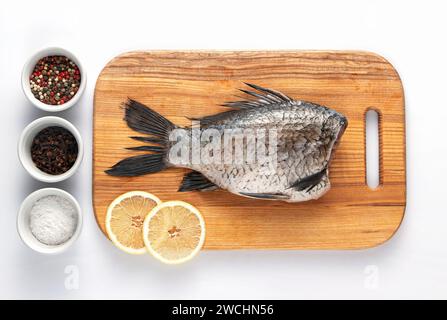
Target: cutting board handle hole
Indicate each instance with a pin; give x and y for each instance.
(372, 141)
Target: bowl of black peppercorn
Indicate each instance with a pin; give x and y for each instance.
(50, 149)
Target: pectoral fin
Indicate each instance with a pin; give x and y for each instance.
(309, 182)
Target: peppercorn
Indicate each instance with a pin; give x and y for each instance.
(47, 76)
(54, 150)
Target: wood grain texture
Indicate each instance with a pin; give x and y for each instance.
(180, 84)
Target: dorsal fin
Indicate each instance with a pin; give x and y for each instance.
(263, 97)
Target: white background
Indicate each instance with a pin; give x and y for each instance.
(410, 35)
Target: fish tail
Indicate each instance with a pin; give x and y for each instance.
(143, 119)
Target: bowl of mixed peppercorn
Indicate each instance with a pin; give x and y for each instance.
(53, 79)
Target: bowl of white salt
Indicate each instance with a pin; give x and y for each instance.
(49, 220)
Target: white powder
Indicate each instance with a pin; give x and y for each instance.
(53, 220)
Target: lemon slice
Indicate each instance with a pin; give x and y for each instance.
(125, 217)
(174, 232)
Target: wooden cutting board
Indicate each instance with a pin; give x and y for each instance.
(193, 83)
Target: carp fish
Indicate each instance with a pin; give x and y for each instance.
(268, 146)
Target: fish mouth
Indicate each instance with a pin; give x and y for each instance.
(343, 125)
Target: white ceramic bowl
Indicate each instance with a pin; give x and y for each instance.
(23, 221)
(25, 142)
(28, 69)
